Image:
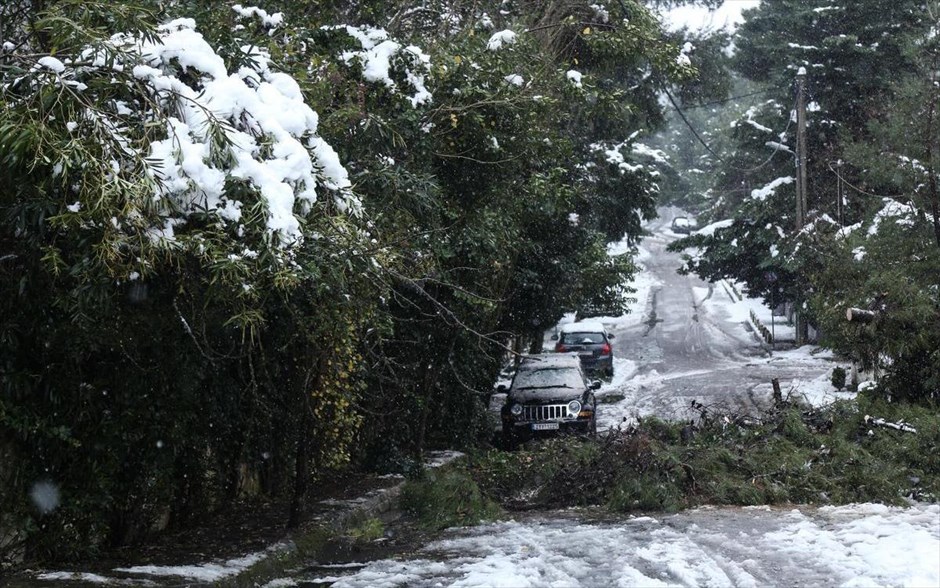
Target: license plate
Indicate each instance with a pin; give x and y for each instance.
(588, 354)
(544, 426)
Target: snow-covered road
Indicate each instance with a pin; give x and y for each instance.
(859, 545)
(685, 339)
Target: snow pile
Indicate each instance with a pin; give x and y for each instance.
(614, 156)
(816, 392)
(52, 63)
(379, 54)
(869, 544)
(683, 58)
(858, 545)
(654, 154)
(206, 572)
(268, 20)
(85, 577)
(903, 214)
(574, 77)
(601, 13)
(769, 189)
(709, 230)
(501, 39)
(514, 80)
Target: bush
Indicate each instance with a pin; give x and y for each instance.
(838, 377)
(448, 498)
(825, 455)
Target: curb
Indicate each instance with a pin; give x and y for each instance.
(307, 544)
(336, 518)
(761, 328)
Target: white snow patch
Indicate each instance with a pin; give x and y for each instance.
(206, 572)
(709, 230)
(869, 544)
(501, 39)
(378, 56)
(903, 214)
(76, 577)
(856, 545)
(574, 77)
(52, 63)
(657, 155)
(763, 193)
(269, 20)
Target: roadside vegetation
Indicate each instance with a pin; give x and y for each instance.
(867, 450)
(245, 248)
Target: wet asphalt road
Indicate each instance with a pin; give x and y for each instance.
(685, 349)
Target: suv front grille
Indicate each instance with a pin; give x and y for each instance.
(544, 412)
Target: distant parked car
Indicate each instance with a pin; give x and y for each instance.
(591, 341)
(684, 225)
(549, 394)
(596, 310)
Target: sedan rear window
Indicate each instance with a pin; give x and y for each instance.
(582, 338)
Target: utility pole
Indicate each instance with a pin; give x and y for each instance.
(801, 199)
(800, 149)
(840, 195)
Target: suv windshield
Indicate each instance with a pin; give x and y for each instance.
(582, 338)
(548, 377)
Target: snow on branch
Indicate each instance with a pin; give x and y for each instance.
(903, 214)
(253, 125)
(769, 189)
(501, 39)
(268, 20)
(379, 56)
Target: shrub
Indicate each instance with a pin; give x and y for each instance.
(447, 499)
(838, 377)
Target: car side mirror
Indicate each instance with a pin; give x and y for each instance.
(596, 384)
(502, 389)
(611, 336)
(554, 337)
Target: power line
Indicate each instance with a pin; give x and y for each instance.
(726, 100)
(712, 151)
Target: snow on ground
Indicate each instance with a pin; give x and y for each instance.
(856, 545)
(815, 392)
(86, 577)
(740, 309)
(205, 572)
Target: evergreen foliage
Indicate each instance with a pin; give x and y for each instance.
(205, 298)
(872, 236)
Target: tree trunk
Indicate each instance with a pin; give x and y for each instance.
(298, 501)
(537, 341)
(301, 468)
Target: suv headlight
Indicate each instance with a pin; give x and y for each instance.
(515, 409)
(574, 407)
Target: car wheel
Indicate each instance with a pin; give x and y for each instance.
(509, 440)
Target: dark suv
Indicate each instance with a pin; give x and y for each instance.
(549, 394)
(591, 341)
